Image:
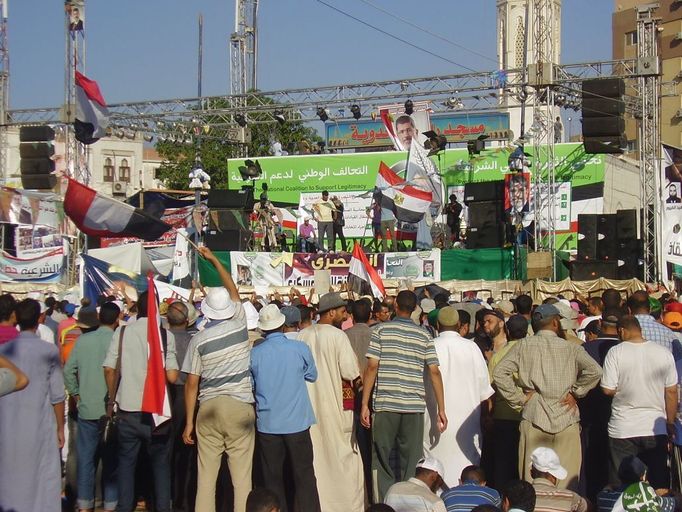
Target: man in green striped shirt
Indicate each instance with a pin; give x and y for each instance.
(397, 355)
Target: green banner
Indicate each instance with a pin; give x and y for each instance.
(289, 176)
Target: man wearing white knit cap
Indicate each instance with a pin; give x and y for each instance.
(418, 494)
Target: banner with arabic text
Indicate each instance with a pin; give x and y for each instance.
(301, 271)
(671, 210)
(31, 241)
(419, 266)
(46, 268)
(455, 128)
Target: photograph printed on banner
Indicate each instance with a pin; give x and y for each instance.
(671, 207)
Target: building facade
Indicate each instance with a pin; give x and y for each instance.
(624, 29)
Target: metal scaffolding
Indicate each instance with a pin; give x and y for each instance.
(4, 87)
(541, 77)
(648, 70)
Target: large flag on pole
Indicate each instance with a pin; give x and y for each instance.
(364, 277)
(97, 215)
(155, 395)
(408, 203)
(92, 114)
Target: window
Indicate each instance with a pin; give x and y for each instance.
(108, 173)
(631, 38)
(124, 171)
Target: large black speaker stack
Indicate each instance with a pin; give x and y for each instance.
(608, 247)
(228, 219)
(485, 201)
(36, 149)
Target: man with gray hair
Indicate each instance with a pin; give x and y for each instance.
(551, 374)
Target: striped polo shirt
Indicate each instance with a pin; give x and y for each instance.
(403, 350)
(221, 356)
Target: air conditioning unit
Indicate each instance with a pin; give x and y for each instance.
(677, 37)
(119, 188)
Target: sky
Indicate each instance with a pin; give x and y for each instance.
(147, 49)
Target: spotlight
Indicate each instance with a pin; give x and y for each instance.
(250, 170)
(355, 110)
(322, 114)
(409, 107)
(435, 143)
(240, 120)
(119, 134)
(161, 138)
(373, 115)
(474, 147)
(188, 139)
(454, 102)
(148, 138)
(279, 116)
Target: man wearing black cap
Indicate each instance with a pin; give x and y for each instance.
(453, 210)
(338, 465)
(544, 376)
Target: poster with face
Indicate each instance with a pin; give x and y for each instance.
(75, 11)
(517, 192)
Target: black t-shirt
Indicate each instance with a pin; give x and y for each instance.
(595, 407)
(453, 210)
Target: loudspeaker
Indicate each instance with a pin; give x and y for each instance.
(587, 237)
(36, 133)
(607, 237)
(589, 270)
(483, 191)
(238, 199)
(603, 88)
(230, 240)
(605, 145)
(39, 181)
(485, 213)
(630, 254)
(227, 219)
(626, 225)
(485, 237)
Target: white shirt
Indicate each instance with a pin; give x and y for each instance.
(639, 372)
(45, 333)
(413, 496)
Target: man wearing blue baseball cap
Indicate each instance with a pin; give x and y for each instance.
(551, 375)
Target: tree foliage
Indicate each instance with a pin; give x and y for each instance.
(179, 158)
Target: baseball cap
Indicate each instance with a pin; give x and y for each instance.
(495, 312)
(70, 309)
(432, 464)
(546, 460)
(544, 311)
(674, 306)
(506, 306)
(428, 305)
(292, 315)
(673, 320)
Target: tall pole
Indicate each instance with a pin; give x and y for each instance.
(4, 90)
(197, 157)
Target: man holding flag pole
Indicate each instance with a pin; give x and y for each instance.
(139, 364)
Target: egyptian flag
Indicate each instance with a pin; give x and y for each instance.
(92, 115)
(97, 215)
(363, 277)
(155, 395)
(408, 203)
(387, 119)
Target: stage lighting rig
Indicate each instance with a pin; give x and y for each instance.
(355, 110)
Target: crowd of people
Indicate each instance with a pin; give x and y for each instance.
(411, 403)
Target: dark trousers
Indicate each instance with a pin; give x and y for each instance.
(595, 438)
(183, 458)
(652, 450)
(136, 430)
(389, 428)
(505, 452)
(338, 233)
(273, 449)
(363, 436)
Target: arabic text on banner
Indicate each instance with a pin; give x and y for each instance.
(302, 270)
(419, 266)
(46, 268)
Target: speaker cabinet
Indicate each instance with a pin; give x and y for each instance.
(226, 199)
(484, 191)
(229, 240)
(485, 214)
(607, 237)
(590, 270)
(485, 237)
(587, 237)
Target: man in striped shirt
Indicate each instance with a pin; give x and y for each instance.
(217, 366)
(471, 492)
(397, 355)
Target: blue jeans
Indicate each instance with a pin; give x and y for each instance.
(89, 450)
(136, 429)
